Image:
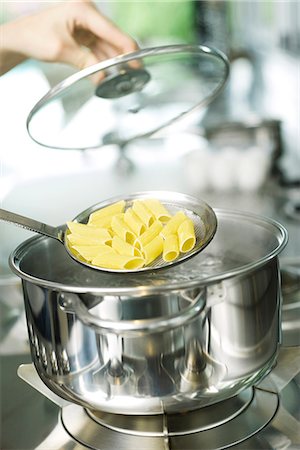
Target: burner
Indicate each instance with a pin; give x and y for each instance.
(214, 427)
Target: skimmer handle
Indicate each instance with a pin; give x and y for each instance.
(31, 224)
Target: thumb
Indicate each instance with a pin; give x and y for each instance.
(79, 57)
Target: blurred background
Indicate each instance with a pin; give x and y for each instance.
(241, 152)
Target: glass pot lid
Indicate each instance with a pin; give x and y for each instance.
(128, 97)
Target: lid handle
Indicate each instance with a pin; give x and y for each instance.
(122, 80)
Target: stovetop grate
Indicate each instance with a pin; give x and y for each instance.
(214, 427)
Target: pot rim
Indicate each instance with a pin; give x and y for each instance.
(281, 233)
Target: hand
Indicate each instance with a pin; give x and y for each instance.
(71, 32)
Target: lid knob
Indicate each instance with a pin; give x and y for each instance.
(121, 82)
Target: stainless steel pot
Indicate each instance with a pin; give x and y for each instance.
(176, 340)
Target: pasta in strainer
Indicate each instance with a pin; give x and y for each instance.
(131, 237)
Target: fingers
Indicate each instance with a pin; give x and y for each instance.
(110, 35)
(103, 50)
(90, 37)
(79, 57)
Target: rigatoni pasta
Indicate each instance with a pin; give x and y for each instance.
(170, 248)
(80, 229)
(123, 248)
(153, 249)
(117, 261)
(141, 210)
(173, 224)
(129, 237)
(102, 222)
(134, 222)
(89, 252)
(150, 233)
(186, 236)
(121, 229)
(86, 235)
(157, 209)
(110, 210)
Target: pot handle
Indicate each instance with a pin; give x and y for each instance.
(215, 294)
(72, 303)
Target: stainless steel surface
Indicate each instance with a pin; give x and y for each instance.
(290, 275)
(267, 420)
(143, 345)
(184, 431)
(174, 71)
(202, 215)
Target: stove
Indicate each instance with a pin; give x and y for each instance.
(249, 420)
(266, 416)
